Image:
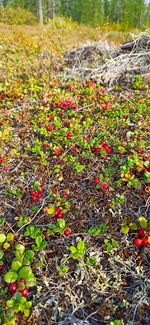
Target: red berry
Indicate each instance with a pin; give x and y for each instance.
(137, 242)
(49, 128)
(104, 187)
(73, 149)
(41, 184)
(98, 150)
(105, 146)
(145, 241)
(108, 150)
(34, 198)
(96, 181)
(69, 135)
(139, 136)
(33, 193)
(58, 152)
(93, 149)
(5, 168)
(23, 282)
(64, 195)
(2, 160)
(122, 144)
(39, 195)
(25, 292)
(59, 215)
(58, 209)
(12, 287)
(67, 232)
(141, 232)
(45, 146)
(87, 139)
(1, 268)
(141, 151)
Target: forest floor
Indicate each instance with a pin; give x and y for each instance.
(74, 187)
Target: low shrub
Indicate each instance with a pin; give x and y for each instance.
(11, 16)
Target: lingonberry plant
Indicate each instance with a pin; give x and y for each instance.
(74, 186)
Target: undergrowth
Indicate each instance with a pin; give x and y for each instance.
(74, 186)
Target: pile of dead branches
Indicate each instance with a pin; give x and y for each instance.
(104, 64)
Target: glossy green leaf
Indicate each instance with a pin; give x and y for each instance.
(10, 277)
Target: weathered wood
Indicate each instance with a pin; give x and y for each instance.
(103, 64)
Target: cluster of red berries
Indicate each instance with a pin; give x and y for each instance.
(37, 195)
(2, 160)
(58, 213)
(140, 151)
(142, 239)
(14, 286)
(5, 167)
(3, 96)
(105, 107)
(103, 146)
(104, 186)
(64, 105)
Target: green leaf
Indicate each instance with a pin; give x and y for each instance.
(15, 265)
(73, 249)
(10, 303)
(10, 277)
(6, 245)
(91, 261)
(114, 243)
(124, 229)
(20, 248)
(29, 255)
(63, 270)
(81, 245)
(143, 222)
(109, 248)
(62, 223)
(133, 226)
(26, 312)
(10, 236)
(18, 297)
(26, 273)
(1, 255)
(40, 247)
(76, 255)
(28, 304)
(2, 238)
(78, 168)
(38, 240)
(43, 245)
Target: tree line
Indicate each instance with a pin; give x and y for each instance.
(128, 13)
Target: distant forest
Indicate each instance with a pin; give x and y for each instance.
(128, 13)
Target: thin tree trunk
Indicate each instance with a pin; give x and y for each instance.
(40, 11)
(51, 9)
